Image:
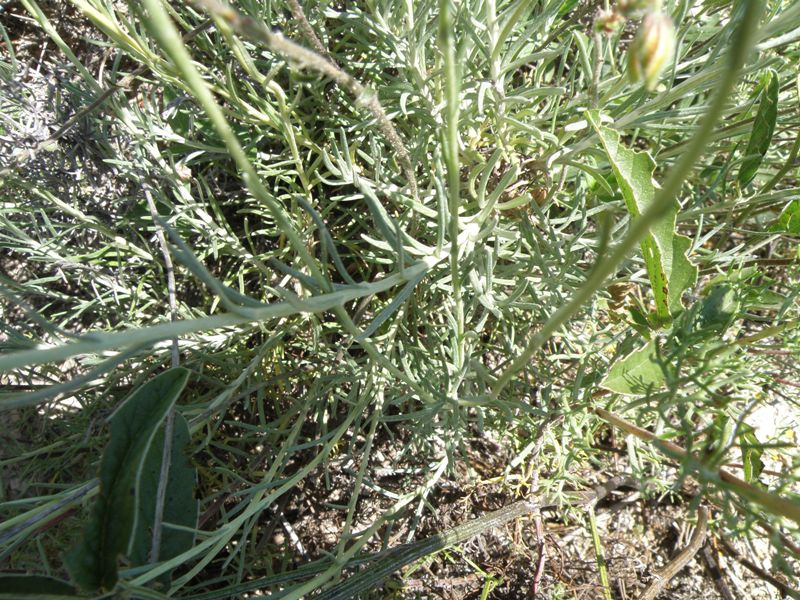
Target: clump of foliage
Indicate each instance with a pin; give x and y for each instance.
(393, 224)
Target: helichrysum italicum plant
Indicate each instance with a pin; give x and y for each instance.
(394, 226)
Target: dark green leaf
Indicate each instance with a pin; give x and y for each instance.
(638, 320)
(28, 587)
(93, 562)
(763, 128)
(180, 506)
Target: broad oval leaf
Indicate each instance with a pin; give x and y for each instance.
(640, 372)
(93, 562)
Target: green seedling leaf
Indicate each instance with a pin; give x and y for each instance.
(718, 309)
(638, 320)
(669, 270)
(751, 456)
(636, 374)
(763, 128)
(789, 219)
(180, 506)
(93, 562)
(24, 587)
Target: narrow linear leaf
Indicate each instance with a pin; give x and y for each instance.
(373, 575)
(763, 128)
(668, 268)
(636, 374)
(393, 307)
(93, 562)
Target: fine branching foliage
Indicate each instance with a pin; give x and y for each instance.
(259, 255)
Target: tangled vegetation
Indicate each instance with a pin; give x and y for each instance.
(299, 300)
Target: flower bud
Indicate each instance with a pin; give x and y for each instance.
(651, 49)
(608, 22)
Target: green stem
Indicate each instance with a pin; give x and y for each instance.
(599, 556)
(167, 35)
(663, 202)
(451, 155)
(95, 342)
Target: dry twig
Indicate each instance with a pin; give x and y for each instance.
(308, 31)
(308, 59)
(716, 573)
(664, 576)
(775, 504)
(784, 589)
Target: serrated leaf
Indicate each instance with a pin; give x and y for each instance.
(763, 128)
(180, 506)
(669, 270)
(93, 562)
(636, 374)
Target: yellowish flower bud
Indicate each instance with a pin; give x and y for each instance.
(651, 50)
(608, 22)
